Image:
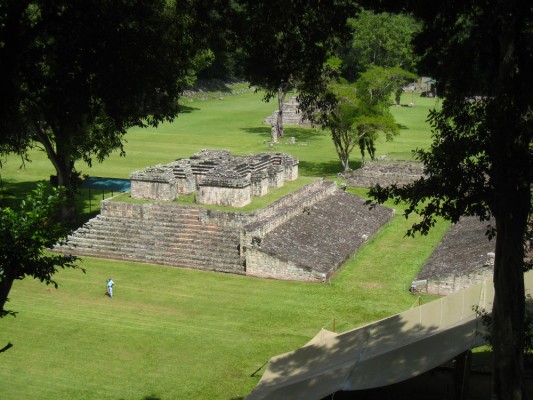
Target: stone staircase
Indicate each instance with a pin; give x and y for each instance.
(163, 234)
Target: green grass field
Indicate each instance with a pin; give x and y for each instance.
(172, 333)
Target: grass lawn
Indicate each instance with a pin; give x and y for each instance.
(234, 123)
(173, 333)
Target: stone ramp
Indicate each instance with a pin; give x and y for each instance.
(324, 235)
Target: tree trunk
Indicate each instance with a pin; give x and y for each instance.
(509, 302)
(61, 158)
(5, 287)
(510, 206)
(346, 163)
(279, 120)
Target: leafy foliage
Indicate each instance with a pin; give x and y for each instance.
(292, 42)
(25, 235)
(357, 114)
(75, 75)
(481, 161)
(486, 320)
(379, 39)
(456, 180)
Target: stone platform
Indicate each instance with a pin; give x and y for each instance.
(304, 236)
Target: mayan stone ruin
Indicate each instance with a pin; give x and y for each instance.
(385, 172)
(305, 235)
(216, 177)
(291, 115)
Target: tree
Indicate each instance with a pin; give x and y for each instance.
(75, 75)
(25, 235)
(356, 115)
(377, 84)
(353, 121)
(480, 162)
(379, 39)
(288, 43)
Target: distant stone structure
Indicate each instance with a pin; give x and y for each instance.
(384, 172)
(464, 257)
(291, 115)
(216, 177)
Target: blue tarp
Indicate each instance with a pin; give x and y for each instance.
(110, 184)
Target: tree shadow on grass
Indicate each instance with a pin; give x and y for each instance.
(87, 205)
(186, 109)
(263, 132)
(330, 168)
(309, 168)
(301, 135)
(12, 192)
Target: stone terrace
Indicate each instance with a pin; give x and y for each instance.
(157, 233)
(463, 258)
(295, 238)
(316, 242)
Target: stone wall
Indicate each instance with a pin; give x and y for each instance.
(259, 185)
(385, 173)
(216, 176)
(451, 284)
(464, 257)
(224, 196)
(117, 209)
(263, 265)
(153, 190)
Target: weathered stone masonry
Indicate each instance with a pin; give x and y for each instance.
(216, 177)
(225, 241)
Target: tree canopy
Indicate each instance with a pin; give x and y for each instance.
(379, 39)
(358, 114)
(289, 43)
(75, 75)
(25, 235)
(480, 162)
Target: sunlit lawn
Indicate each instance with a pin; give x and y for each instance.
(172, 333)
(234, 123)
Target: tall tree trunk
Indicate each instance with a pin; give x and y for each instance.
(61, 158)
(279, 121)
(5, 287)
(509, 302)
(511, 206)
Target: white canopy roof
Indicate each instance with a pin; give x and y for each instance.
(381, 353)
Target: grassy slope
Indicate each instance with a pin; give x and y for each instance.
(172, 333)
